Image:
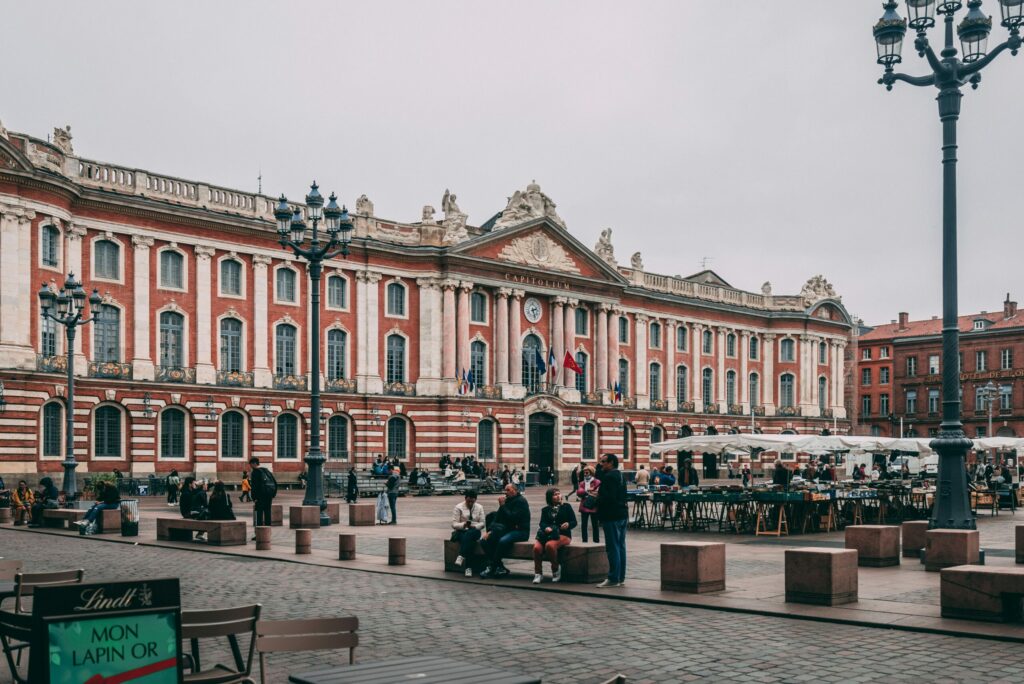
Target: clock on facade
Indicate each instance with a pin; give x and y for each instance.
(532, 309)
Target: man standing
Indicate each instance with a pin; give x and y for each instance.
(264, 489)
(613, 514)
(391, 485)
(511, 524)
(642, 477)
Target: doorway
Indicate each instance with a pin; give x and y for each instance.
(542, 441)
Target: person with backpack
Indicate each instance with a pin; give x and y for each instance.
(391, 485)
(264, 489)
(173, 481)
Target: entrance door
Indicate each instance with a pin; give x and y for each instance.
(542, 441)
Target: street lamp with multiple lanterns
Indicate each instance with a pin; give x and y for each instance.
(949, 75)
(315, 246)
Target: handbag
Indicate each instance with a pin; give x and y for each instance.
(590, 501)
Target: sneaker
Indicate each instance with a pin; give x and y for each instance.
(606, 584)
(537, 579)
(502, 571)
(557, 576)
(469, 572)
(621, 584)
(459, 560)
(488, 571)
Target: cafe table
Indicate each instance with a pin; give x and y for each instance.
(422, 670)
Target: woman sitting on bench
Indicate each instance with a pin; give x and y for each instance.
(556, 522)
(109, 498)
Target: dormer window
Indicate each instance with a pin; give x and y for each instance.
(980, 324)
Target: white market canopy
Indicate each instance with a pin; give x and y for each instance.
(745, 443)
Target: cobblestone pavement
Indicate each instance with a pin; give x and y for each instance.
(562, 638)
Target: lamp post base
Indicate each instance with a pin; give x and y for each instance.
(69, 485)
(952, 508)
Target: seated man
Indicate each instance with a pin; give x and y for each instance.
(21, 502)
(108, 498)
(511, 524)
(46, 497)
(467, 527)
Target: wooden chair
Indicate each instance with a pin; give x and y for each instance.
(222, 622)
(315, 634)
(26, 582)
(8, 569)
(15, 636)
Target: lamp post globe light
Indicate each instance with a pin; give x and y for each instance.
(67, 308)
(315, 246)
(949, 75)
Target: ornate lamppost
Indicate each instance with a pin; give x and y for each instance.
(949, 75)
(315, 246)
(67, 308)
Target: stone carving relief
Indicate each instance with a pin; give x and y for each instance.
(816, 289)
(454, 219)
(537, 249)
(62, 139)
(604, 248)
(637, 262)
(428, 215)
(766, 289)
(524, 206)
(364, 206)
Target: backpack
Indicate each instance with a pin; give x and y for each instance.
(269, 485)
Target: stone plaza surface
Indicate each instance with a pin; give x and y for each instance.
(649, 635)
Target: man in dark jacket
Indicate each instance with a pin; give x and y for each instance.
(46, 497)
(391, 486)
(351, 486)
(511, 524)
(614, 515)
(261, 496)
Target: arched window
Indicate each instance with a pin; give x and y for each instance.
(786, 382)
(655, 382)
(655, 329)
(681, 335)
(230, 277)
(684, 431)
(172, 327)
(172, 433)
(172, 269)
(396, 299)
(107, 335)
(787, 350)
(337, 438)
(628, 441)
(485, 440)
(624, 377)
(231, 345)
(48, 337)
(285, 285)
(682, 383)
(478, 362)
(336, 292)
(284, 343)
(531, 353)
(398, 438)
(730, 387)
(53, 418)
(478, 307)
(657, 434)
(822, 393)
(48, 247)
(753, 346)
(730, 345)
(396, 358)
(336, 342)
(707, 342)
(232, 435)
(287, 436)
(589, 442)
(623, 330)
(754, 387)
(581, 378)
(107, 260)
(107, 433)
(707, 386)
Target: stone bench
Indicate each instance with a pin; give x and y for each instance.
(579, 563)
(693, 567)
(974, 592)
(822, 577)
(877, 546)
(949, 548)
(218, 532)
(61, 517)
(913, 533)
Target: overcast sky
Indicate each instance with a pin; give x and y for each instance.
(752, 133)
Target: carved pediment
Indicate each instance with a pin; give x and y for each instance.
(540, 251)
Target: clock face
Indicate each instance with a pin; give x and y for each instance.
(532, 309)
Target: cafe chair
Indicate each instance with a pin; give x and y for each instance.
(314, 634)
(25, 584)
(15, 635)
(9, 568)
(617, 679)
(212, 624)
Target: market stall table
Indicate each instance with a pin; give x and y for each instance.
(426, 670)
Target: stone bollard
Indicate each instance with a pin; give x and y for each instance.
(333, 511)
(823, 577)
(913, 537)
(396, 550)
(263, 538)
(303, 542)
(947, 548)
(346, 547)
(276, 515)
(6, 515)
(693, 567)
(877, 546)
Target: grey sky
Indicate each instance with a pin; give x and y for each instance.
(749, 132)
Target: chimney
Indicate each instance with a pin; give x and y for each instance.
(935, 318)
(904, 317)
(1009, 307)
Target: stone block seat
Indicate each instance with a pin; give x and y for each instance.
(877, 546)
(580, 563)
(218, 532)
(361, 515)
(949, 548)
(976, 592)
(823, 577)
(693, 567)
(304, 517)
(913, 533)
(276, 515)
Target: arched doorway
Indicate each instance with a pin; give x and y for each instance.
(683, 456)
(542, 441)
(710, 460)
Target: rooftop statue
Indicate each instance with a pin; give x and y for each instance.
(526, 206)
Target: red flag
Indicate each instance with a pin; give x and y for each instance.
(570, 363)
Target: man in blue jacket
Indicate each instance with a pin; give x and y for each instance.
(613, 514)
(511, 524)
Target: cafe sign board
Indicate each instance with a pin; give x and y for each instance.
(107, 633)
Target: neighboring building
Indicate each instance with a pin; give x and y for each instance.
(204, 361)
(991, 350)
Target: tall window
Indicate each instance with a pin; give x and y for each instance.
(231, 277)
(1005, 397)
(911, 366)
(107, 434)
(911, 402)
(336, 292)
(655, 329)
(754, 387)
(628, 440)
(786, 382)
(981, 360)
(48, 337)
(730, 387)
(531, 353)
(398, 438)
(730, 345)
(865, 376)
(478, 307)
(172, 326)
(787, 350)
(1006, 359)
(883, 376)
(396, 359)
(589, 442)
(581, 378)
(980, 399)
(172, 433)
(337, 438)
(682, 383)
(657, 434)
(707, 341)
(655, 381)
(231, 345)
(865, 405)
(623, 330)
(108, 258)
(287, 436)
(823, 353)
(822, 393)
(478, 362)
(883, 353)
(396, 299)
(624, 377)
(49, 245)
(285, 285)
(754, 347)
(336, 342)
(172, 269)
(933, 364)
(284, 342)
(865, 354)
(232, 435)
(53, 417)
(582, 321)
(933, 401)
(485, 440)
(883, 404)
(707, 386)
(107, 334)
(681, 337)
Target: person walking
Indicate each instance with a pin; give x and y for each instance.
(391, 486)
(587, 495)
(173, 482)
(352, 486)
(555, 531)
(467, 527)
(613, 514)
(264, 489)
(246, 488)
(574, 477)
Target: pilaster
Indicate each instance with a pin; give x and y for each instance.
(601, 349)
(262, 376)
(429, 382)
(75, 236)
(558, 339)
(515, 361)
(462, 328)
(501, 342)
(744, 379)
(368, 379)
(697, 368)
(205, 372)
(768, 379)
(668, 376)
(643, 399)
(17, 305)
(142, 361)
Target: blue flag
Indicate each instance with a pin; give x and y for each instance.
(471, 381)
(541, 366)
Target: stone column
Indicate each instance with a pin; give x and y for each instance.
(205, 372)
(744, 379)
(841, 384)
(75, 236)
(569, 377)
(697, 369)
(368, 379)
(18, 301)
(557, 339)
(668, 374)
(142, 360)
(601, 349)
(643, 399)
(723, 400)
(613, 349)
(262, 377)
(808, 378)
(429, 382)
(462, 332)
(449, 335)
(515, 334)
(501, 342)
(834, 371)
(768, 376)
